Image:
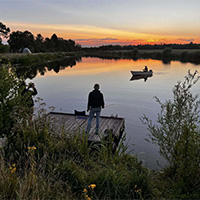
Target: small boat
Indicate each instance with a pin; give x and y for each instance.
(142, 73)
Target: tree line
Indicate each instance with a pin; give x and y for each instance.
(18, 40)
(190, 45)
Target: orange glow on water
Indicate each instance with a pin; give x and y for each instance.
(94, 66)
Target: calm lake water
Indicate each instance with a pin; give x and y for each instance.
(68, 90)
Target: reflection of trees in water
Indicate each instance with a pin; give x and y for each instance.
(166, 55)
(57, 65)
(166, 61)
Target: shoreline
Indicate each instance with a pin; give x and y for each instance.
(166, 55)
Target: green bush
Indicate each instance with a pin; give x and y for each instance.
(177, 135)
(4, 48)
(10, 99)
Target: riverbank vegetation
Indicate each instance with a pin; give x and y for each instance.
(37, 163)
(23, 60)
(177, 134)
(166, 55)
(49, 59)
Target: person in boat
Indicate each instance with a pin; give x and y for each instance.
(95, 104)
(145, 69)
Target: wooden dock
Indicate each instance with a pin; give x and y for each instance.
(74, 124)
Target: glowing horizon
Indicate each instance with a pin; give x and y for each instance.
(97, 36)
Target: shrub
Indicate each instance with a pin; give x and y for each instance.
(4, 48)
(166, 53)
(177, 135)
(10, 99)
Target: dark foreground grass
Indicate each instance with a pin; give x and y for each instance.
(37, 163)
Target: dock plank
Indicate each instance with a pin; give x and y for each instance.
(64, 122)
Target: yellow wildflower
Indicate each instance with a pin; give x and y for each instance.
(84, 190)
(31, 148)
(139, 190)
(13, 165)
(10, 168)
(92, 186)
(13, 170)
(87, 197)
(135, 186)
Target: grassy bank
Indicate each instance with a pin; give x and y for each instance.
(35, 58)
(166, 55)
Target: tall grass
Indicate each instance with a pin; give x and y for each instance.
(38, 163)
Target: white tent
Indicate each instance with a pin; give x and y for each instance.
(26, 50)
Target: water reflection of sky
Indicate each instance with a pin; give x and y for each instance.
(68, 90)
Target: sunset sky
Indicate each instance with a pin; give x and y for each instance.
(102, 22)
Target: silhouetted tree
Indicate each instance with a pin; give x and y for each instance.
(20, 40)
(78, 47)
(4, 31)
(54, 41)
(54, 38)
(39, 43)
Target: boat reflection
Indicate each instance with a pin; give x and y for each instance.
(138, 77)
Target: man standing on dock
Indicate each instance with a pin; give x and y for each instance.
(95, 103)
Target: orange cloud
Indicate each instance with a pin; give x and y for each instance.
(96, 36)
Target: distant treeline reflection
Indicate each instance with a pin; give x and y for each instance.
(56, 65)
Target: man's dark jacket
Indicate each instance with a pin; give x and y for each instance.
(95, 99)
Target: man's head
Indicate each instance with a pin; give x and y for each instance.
(96, 86)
